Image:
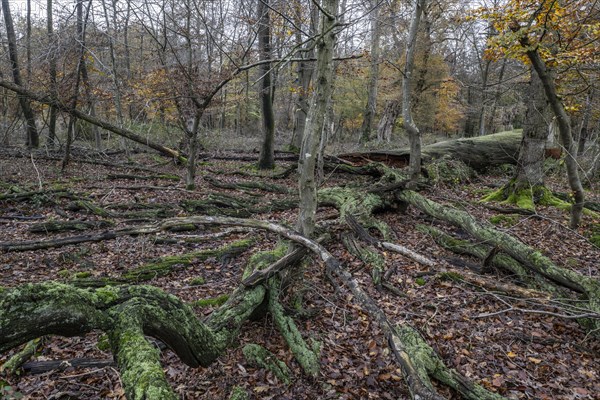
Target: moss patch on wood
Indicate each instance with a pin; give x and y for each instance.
(261, 357)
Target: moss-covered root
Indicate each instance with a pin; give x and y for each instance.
(368, 255)
(238, 393)
(261, 357)
(529, 257)
(498, 260)
(355, 202)
(12, 365)
(165, 265)
(126, 314)
(526, 198)
(430, 365)
(138, 361)
(307, 358)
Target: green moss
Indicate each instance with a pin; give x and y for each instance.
(595, 239)
(211, 302)
(82, 275)
(504, 219)
(261, 357)
(103, 343)
(170, 177)
(263, 259)
(197, 281)
(238, 393)
(106, 295)
(420, 281)
(449, 171)
(64, 273)
(450, 276)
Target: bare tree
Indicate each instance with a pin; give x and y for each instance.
(267, 152)
(33, 139)
(371, 107)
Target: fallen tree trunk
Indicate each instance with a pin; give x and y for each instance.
(478, 152)
(44, 99)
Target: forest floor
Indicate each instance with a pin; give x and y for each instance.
(522, 355)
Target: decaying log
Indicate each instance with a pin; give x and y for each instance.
(478, 152)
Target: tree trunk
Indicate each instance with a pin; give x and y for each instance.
(530, 166)
(371, 107)
(52, 72)
(267, 152)
(33, 139)
(414, 136)
(386, 125)
(477, 152)
(316, 118)
(564, 125)
(92, 120)
(304, 75)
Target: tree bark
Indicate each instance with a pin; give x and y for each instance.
(316, 118)
(530, 166)
(266, 158)
(563, 121)
(33, 139)
(52, 72)
(414, 136)
(371, 107)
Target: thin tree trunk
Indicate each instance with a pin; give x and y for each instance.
(304, 73)
(414, 136)
(52, 72)
(316, 118)
(371, 106)
(32, 133)
(267, 152)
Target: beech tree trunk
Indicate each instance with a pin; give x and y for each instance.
(316, 118)
(414, 136)
(563, 121)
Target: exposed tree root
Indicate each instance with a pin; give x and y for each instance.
(530, 258)
(13, 364)
(126, 314)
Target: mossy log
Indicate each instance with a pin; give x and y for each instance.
(529, 257)
(63, 226)
(166, 265)
(249, 185)
(16, 361)
(478, 152)
(307, 357)
(498, 260)
(126, 314)
(144, 177)
(219, 204)
(44, 196)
